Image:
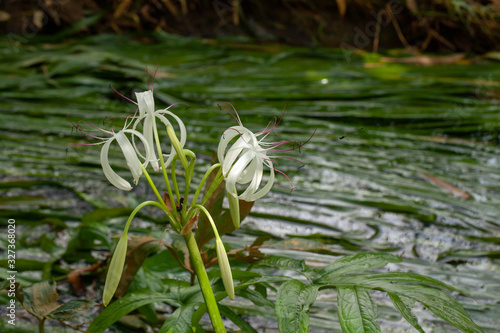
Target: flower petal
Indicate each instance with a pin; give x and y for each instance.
(227, 158)
(129, 152)
(237, 169)
(112, 176)
(146, 102)
(263, 191)
(148, 135)
(256, 180)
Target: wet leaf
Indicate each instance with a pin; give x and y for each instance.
(179, 321)
(237, 320)
(292, 306)
(69, 310)
(404, 305)
(357, 310)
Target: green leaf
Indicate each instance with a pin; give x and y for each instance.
(404, 304)
(285, 263)
(237, 320)
(68, 310)
(292, 306)
(127, 304)
(357, 310)
(355, 264)
(415, 286)
(256, 298)
(179, 321)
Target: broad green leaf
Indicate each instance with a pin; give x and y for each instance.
(404, 304)
(236, 319)
(179, 321)
(292, 306)
(357, 310)
(355, 264)
(69, 310)
(127, 304)
(416, 287)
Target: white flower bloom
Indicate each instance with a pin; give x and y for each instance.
(129, 152)
(130, 156)
(244, 163)
(147, 113)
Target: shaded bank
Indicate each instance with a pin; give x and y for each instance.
(457, 26)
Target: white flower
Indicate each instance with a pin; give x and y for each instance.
(244, 163)
(147, 113)
(129, 152)
(130, 156)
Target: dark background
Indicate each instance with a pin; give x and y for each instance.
(430, 26)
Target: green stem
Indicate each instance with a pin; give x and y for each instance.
(164, 169)
(150, 181)
(203, 180)
(161, 203)
(206, 289)
(41, 325)
(139, 207)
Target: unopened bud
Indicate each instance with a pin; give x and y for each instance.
(225, 269)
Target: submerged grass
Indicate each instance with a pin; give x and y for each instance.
(379, 130)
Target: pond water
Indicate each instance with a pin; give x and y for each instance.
(404, 158)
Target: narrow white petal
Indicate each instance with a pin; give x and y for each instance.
(244, 142)
(130, 156)
(256, 180)
(237, 169)
(137, 122)
(146, 102)
(263, 191)
(148, 135)
(112, 176)
(249, 172)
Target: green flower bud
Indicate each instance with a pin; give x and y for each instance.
(225, 269)
(115, 269)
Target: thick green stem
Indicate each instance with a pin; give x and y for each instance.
(41, 325)
(206, 289)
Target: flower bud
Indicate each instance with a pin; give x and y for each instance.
(234, 208)
(115, 270)
(177, 146)
(225, 269)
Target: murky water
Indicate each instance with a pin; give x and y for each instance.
(404, 159)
